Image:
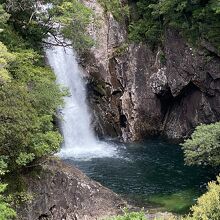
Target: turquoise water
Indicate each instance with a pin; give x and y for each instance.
(150, 174)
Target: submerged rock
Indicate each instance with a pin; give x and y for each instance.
(62, 192)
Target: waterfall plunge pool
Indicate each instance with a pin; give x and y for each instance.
(150, 174)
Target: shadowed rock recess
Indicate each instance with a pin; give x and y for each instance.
(63, 192)
(135, 92)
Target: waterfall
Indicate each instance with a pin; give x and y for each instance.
(80, 141)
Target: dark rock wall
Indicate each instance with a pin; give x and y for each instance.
(193, 77)
(62, 192)
(135, 92)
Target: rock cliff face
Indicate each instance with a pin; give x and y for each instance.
(62, 192)
(135, 92)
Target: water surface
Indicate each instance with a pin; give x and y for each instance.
(151, 173)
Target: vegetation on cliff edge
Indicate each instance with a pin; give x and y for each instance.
(197, 20)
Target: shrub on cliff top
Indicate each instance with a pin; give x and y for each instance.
(119, 10)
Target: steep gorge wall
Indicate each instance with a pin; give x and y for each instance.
(135, 92)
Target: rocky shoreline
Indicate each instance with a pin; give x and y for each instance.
(62, 192)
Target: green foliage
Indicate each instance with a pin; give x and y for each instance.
(121, 50)
(75, 18)
(29, 98)
(208, 205)
(136, 216)
(196, 20)
(130, 216)
(4, 16)
(119, 11)
(6, 212)
(26, 132)
(19, 198)
(145, 26)
(26, 19)
(35, 24)
(3, 165)
(24, 158)
(203, 148)
(12, 40)
(5, 59)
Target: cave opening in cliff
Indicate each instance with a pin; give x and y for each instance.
(123, 121)
(166, 100)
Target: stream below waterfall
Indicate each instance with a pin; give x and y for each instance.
(150, 174)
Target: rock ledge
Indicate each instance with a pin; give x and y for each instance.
(62, 192)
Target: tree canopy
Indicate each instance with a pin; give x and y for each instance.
(196, 20)
(35, 20)
(29, 95)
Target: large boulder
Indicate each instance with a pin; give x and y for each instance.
(62, 192)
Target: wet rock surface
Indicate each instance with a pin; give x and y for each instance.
(166, 91)
(62, 192)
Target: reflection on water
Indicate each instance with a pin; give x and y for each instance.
(152, 171)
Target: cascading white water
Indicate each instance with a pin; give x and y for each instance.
(79, 139)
